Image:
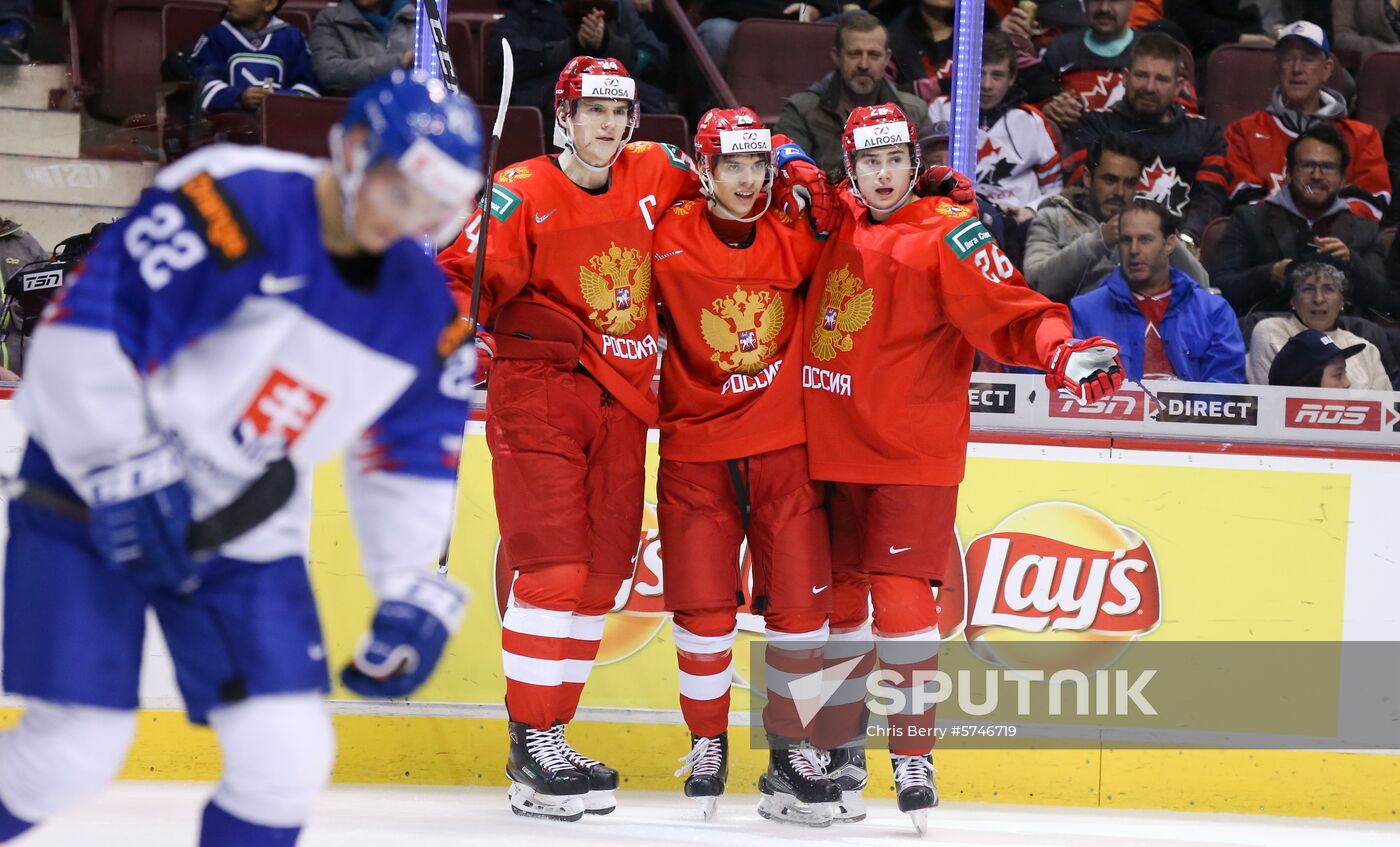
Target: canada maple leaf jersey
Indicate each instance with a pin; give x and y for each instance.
(586, 255)
(1018, 161)
(895, 313)
(1257, 158)
(1097, 79)
(730, 374)
(211, 315)
(1185, 167)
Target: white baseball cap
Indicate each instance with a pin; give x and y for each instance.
(1309, 32)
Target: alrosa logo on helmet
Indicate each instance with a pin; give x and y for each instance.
(611, 87)
(745, 141)
(880, 135)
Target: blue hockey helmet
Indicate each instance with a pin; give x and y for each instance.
(433, 135)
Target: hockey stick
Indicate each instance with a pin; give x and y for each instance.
(449, 71)
(507, 81)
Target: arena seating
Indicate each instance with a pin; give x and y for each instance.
(771, 60)
(1378, 89)
(1240, 80)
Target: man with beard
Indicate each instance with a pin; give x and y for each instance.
(1185, 154)
(1091, 64)
(1258, 143)
(1166, 326)
(1072, 243)
(1300, 220)
(814, 119)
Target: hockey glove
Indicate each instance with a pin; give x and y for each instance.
(801, 184)
(943, 181)
(406, 638)
(140, 514)
(1087, 370)
(485, 355)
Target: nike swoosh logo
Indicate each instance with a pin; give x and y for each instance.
(273, 285)
(539, 219)
(820, 590)
(895, 551)
(1261, 135)
(660, 256)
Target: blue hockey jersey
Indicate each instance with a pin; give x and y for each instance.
(212, 315)
(226, 61)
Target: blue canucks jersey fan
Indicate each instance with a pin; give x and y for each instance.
(249, 55)
(256, 313)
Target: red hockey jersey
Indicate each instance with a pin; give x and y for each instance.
(729, 378)
(895, 313)
(586, 255)
(1257, 158)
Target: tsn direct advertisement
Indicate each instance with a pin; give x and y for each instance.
(1144, 597)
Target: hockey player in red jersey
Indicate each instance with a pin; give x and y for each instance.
(731, 271)
(568, 296)
(905, 291)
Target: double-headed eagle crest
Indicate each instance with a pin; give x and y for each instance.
(743, 330)
(616, 285)
(846, 307)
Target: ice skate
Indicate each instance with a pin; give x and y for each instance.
(795, 789)
(913, 780)
(601, 798)
(847, 770)
(708, 763)
(543, 783)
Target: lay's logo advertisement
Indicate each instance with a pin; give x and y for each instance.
(1059, 572)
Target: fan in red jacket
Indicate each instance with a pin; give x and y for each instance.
(1257, 143)
(905, 291)
(568, 296)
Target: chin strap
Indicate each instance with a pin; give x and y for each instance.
(717, 209)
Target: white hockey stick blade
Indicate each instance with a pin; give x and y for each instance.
(507, 83)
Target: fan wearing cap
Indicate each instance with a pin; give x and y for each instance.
(731, 271)
(1258, 143)
(569, 296)
(1311, 359)
(256, 314)
(905, 291)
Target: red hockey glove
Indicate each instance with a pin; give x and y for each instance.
(943, 181)
(799, 181)
(485, 355)
(1087, 370)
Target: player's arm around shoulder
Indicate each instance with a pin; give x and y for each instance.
(667, 170)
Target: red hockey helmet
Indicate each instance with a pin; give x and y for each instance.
(723, 132)
(878, 126)
(585, 76)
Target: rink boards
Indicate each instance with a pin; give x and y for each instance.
(1257, 542)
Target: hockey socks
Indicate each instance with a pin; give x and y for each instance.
(221, 829)
(704, 641)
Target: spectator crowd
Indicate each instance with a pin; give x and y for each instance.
(1201, 248)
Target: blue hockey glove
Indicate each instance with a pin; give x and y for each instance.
(788, 152)
(406, 638)
(140, 517)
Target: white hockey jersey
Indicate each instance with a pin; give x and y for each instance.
(1018, 163)
(213, 316)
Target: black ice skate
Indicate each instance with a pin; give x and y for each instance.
(847, 770)
(602, 780)
(543, 784)
(795, 789)
(913, 779)
(708, 763)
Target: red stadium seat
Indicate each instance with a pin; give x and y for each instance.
(1240, 79)
(300, 124)
(1210, 239)
(462, 45)
(771, 60)
(1378, 89)
(666, 129)
(128, 60)
(522, 137)
(181, 24)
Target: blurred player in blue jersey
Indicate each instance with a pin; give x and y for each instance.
(256, 313)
